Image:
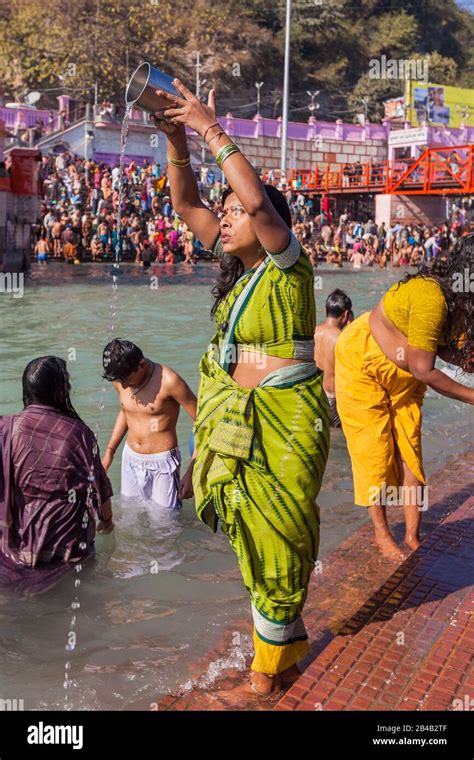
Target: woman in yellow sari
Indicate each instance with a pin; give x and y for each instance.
(261, 430)
(385, 360)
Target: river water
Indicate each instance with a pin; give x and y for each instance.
(161, 590)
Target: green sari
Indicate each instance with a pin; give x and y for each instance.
(261, 455)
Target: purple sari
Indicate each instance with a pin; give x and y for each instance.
(52, 485)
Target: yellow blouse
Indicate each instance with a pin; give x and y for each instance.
(418, 309)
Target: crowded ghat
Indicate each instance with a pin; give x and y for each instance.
(212, 381)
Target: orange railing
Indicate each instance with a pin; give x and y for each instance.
(437, 171)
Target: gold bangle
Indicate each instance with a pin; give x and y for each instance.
(180, 166)
(174, 162)
(179, 161)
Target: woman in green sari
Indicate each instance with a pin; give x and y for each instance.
(262, 430)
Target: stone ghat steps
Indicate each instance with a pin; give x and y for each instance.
(359, 599)
(411, 645)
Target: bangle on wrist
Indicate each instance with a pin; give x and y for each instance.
(216, 124)
(179, 166)
(179, 161)
(219, 134)
(225, 152)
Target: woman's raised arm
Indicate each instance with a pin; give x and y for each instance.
(184, 190)
(270, 228)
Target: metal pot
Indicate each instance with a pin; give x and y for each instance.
(141, 88)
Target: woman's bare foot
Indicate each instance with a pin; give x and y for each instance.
(261, 683)
(413, 542)
(257, 686)
(383, 537)
(388, 547)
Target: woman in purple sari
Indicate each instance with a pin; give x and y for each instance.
(53, 487)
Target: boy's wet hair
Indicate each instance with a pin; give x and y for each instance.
(337, 303)
(120, 359)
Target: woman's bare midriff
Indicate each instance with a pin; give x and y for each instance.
(388, 337)
(251, 367)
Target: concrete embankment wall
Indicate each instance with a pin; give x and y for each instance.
(17, 214)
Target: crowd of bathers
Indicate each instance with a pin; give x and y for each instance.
(79, 212)
(334, 238)
(368, 244)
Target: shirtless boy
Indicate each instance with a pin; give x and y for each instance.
(56, 232)
(357, 256)
(150, 397)
(338, 314)
(42, 250)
